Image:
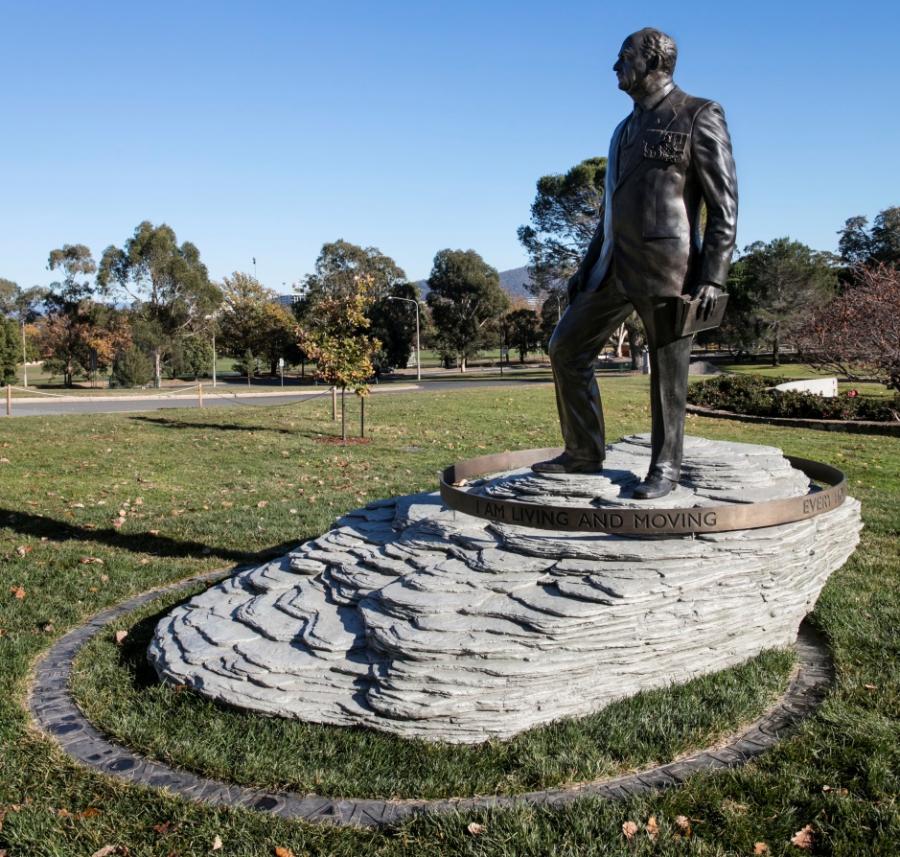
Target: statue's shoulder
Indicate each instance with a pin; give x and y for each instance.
(690, 103)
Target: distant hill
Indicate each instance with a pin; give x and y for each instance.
(514, 282)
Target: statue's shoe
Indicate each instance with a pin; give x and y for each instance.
(654, 486)
(566, 463)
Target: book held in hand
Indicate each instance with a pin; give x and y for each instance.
(688, 319)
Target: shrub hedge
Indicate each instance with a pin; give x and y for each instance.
(755, 395)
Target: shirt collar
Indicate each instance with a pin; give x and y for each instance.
(648, 102)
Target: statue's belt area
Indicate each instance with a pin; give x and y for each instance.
(633, 521)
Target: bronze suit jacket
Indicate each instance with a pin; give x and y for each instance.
(678, 158)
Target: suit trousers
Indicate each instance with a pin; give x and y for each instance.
(581, 333)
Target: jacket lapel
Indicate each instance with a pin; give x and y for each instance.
(659, 118)
(612, 161)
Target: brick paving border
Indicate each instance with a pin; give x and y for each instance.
(56, 714)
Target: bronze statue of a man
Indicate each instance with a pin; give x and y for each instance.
(667, 159)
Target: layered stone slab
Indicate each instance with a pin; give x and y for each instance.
(417, 620)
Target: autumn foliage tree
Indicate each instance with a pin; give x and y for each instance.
(858, 333)
(78, 333)
(334, 334)
(251, 320)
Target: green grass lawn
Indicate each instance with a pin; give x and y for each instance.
(157, 497)
(118, 691)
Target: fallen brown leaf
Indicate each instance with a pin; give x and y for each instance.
(106, 850)
(629, 828)
(760, 848)
(652, 828)
(163, 827)
(120, 637)
(90, 812)
(683, 825)
(18, 592)
(117, 523)
(870, 686)
(475, 828)
(217, 842)
(91, 560)
(262, 504)
(803, 838)
(22, 550)
(283, 852)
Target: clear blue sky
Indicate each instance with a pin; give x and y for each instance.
(265, 129)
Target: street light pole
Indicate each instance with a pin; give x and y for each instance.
(418, 346)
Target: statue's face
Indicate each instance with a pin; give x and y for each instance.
(631, 67)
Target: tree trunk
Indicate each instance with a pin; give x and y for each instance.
(620, 334)
(462, 364)
(362, 416)
(157, 368)
(343, 414)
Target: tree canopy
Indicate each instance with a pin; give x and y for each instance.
(564, 216)
(167, 282)
(522, 331)
(861, 245)
(78, 333)
(10, 350)
(857, 334)
(466, 303)
(334, 333)
(340, 266)
(394, 324)
(772, 289)
(251, 320)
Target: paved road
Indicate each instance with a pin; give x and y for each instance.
(29, 407)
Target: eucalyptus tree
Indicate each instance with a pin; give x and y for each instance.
(466, 303)
(168, 286)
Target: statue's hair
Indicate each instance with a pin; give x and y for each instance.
(655, 43)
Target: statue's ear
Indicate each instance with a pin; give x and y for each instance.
(653, 63)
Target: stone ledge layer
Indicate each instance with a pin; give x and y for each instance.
(416, 620)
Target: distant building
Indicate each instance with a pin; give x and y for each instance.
(288, 300)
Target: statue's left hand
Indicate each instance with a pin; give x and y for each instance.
(708, 295)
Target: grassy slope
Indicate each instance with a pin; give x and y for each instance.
(219, 487)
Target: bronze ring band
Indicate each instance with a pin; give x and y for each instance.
(634, 521)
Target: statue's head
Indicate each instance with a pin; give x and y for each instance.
(646, 57)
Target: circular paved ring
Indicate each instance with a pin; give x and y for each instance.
(643, 521)
(56, 714)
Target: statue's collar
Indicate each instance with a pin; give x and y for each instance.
(648, 102)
